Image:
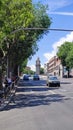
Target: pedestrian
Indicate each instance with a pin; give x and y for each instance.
(9, 81)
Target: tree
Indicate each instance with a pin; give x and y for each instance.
(13, 15)
(26, 71)
(19, 44)
(1, 56)
(41, 70)
(69, 58)
(63, 53)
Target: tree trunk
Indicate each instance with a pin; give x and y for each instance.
(1, 86)
(68, 73)
(1, 56)
(15, 70)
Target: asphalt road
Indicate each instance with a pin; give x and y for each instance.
(38, 107)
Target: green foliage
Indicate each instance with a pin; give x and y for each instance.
(16, 14)
(40, 20)
(65, 53)
(25, 71)
(69, 58)
(23, 65)
(41, 70)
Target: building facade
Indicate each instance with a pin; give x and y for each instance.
(38, 65)
(54, 67)
(45, 68)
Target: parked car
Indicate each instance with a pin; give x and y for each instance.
(25, 77)
(53, 81)
(36, 77)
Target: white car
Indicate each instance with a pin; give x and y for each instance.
(53, 81)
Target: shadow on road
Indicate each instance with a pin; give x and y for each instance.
(32, 97)
(65, 82)
(32, 83)
(36, 88)
(28, 89)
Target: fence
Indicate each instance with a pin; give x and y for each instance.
(7, 94)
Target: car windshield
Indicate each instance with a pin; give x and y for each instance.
(53, 78)
(36, 75)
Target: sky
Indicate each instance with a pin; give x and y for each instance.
(61, 13)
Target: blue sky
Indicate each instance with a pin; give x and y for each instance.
(61, 12)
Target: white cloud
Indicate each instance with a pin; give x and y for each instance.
(56, 4)
(32, 67)
(62, 13)
(68, 37)
(53, 5)
(42, 66)
(49, 55)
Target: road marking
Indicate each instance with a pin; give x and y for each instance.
(63, 90)
(52, 92)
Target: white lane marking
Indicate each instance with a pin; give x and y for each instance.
(51, 92)
(66, 96)
(30, 92)
(63, 90)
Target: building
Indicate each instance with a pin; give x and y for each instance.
(38, 65)
(27, 68)
(54, 67)
(45, 68)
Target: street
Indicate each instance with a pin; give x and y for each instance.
(38, 107)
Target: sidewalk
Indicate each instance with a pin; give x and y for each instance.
(66, 79)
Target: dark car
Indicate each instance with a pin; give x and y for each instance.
(25, 77)
(53, 81)
(36, 77)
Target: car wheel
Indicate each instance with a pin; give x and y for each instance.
(59, 85)
(49, 85)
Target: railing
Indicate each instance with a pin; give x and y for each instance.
(7, 94)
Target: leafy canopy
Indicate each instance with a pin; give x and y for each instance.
(65, 53)
(17, 14)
